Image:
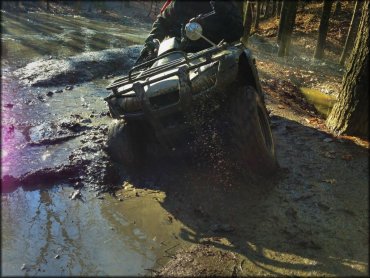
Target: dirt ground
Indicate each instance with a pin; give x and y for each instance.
(310, 219)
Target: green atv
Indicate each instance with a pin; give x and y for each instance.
(155, 103)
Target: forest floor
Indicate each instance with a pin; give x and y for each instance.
(311, 219)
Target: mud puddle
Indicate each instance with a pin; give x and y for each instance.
(46, 233)
(26, 38)
(322, 102)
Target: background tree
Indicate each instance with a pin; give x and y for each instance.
(279, 4)
(323, 29)
(350, 115)
(351, 33)
(257, 17)
(247, 21)
(273, 9)
(287, 25)
(337, 8)
(283, 14)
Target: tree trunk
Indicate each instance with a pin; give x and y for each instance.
(247, 21)
(282, 20)
(273, 10)
(351, 34)
(287, 27)
(337, 8)
(279, 6)
(257, 19)
(350, 115)
(323, 29)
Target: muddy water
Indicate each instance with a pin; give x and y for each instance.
(44, 231)
(322, 102)
(25, 38)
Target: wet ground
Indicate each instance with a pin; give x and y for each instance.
(170, 217)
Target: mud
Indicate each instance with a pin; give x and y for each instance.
(80, 68)
(172, 216)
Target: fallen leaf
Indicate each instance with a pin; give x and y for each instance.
(347, 157)
(329, 155)
(331, 181)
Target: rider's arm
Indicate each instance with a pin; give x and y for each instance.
(162, 24)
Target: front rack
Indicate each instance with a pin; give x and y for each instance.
(135, 75)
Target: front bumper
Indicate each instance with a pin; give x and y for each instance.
(165, 97)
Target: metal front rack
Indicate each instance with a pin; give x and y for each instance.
(134, 75)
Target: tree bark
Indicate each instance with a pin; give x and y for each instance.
(279, 6)
(273, 10)
(287, 27)
(337, 8)
(248, 19)
(323, 29)
(351, 34)
(257, 19)
(283, 14)
(350, 115)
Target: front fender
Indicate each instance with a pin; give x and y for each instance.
(248, 73)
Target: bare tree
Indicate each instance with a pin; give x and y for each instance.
(247, 21)
(287, 26)
(257, 18)
(282, 20)
(323, 29)
(350, 115)
(351, 33)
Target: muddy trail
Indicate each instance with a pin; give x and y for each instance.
(69, 210)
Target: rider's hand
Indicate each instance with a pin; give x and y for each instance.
(150, 46)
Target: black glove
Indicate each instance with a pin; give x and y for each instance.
(150, 47)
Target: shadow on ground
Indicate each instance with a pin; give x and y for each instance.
(311, 218)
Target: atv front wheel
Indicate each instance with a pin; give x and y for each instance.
(251, 132)
(124, 143)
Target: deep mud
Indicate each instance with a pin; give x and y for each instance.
(77, 69)
(190, 218)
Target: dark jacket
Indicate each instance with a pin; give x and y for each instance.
(225, 24)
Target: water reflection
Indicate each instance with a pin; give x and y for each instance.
(34, 35)
(54, 235)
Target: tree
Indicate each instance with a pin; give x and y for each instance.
(273, 9)
(350, 114)
(282, 20)
(323, 29)
(257, 19)
(337, 8)
(247, 21)
(351, 34)
(287, 25)
(279, 7)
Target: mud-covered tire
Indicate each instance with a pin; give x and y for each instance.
(123, 146)
(251, 132)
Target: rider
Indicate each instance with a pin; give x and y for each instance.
(225, 24)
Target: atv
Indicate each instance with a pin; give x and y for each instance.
(155, 102)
